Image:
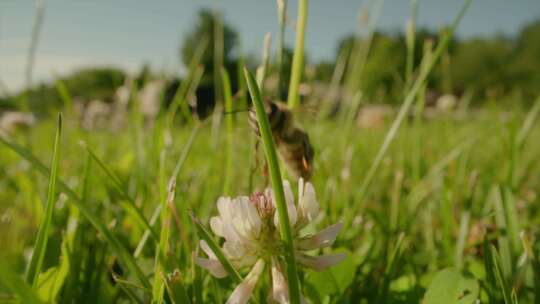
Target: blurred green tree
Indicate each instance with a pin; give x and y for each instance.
(481, 64)
(206, 27)
(524, 70)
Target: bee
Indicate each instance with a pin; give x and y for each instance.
(293, 144)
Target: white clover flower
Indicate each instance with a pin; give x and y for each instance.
(250, 228)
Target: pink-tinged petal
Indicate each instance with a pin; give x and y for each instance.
(243, 291)
(291, 209)
(234, 250)
(269, 195)
(207, 250)
(323, 238)
(216, 224)
(289, 196)
(214, 266)
(253, 217)
(309, 204)
(238, 218)
(224, 205)
(300, 190)
(224, 224)
(320, 263)
(280, 291)
(247, 260)
(292, 216)
(246, 219)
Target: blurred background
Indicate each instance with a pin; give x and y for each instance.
(421, 139)
(94, 46)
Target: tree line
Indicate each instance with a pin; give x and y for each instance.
(492, 68)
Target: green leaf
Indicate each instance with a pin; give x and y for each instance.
(277, 185)
(129, 207)
(162, 250)
(499, 275)
(175, 288)
(449, 286)
(40, 246)
(334, 280)
(51, 281)
(402, 113)
(230, 130)
(207, 236)
(121, 252)
(63, 91)
(15, 284)
(293, 99)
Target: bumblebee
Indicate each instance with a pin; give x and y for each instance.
(293, 144)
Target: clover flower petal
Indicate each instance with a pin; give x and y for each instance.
(250, 228)
(323, 238)
(321, 262)
(243, 291)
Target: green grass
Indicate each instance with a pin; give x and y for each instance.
(270, 151)
(441, 210)
(40, 246)
(297, 68)
(457, 176)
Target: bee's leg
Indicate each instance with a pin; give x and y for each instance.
(257, 163)
(252, 119)
(265, 174)
(265, 168)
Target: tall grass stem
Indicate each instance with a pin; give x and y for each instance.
(40, 247)
(229, 124)
(293, 99)
(404, 110)
(277, 185)
(282, 13)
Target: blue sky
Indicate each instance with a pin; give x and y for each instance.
(129, 33)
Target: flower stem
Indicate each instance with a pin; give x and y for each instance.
(227, 95)
(40, 247)
(293, 99)
(425, 69)
(277, 186)
(282, 9)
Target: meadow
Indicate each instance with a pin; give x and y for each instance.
(435, 209)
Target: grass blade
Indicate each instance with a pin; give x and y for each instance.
(277, 186)
(32, 49)
(15, 284)
(167, 203)
(219, 53)
(163, 247)
(207, 236)
(405, 109)
(263, 68)
(528, 123)
(130, 208)
(122, 253)
(175, 288)
(230, 130)
(63, 91)
(391, 268)
(146, 234)
(361, 49)
(131, 295)
(40, 246)
(499, 276)
(410, 41)
(282, 10)
(185, 151)
(293, 99)
(182, 91)
(463, 232)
